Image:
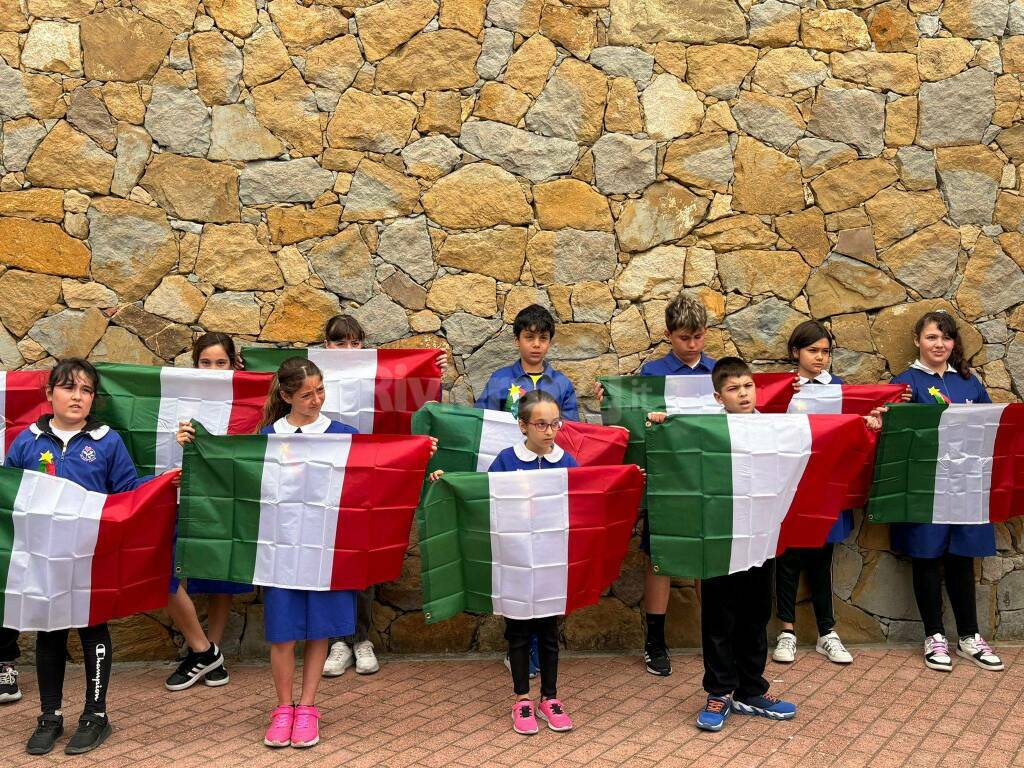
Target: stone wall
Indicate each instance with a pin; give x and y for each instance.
(170, 166)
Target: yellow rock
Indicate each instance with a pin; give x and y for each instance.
(379, 192)
(67, 159)
(235, 16)
(942, 57)
(124, 102)
(467, 15)
(840, 30)
(25, 297)
(441, 60)
(572, 28)
(528, 68)
(718, 70)
(294, 224)
(752, 273)
(231, 257)
(441, 113)
(767, 181)
(477, 196)
(852, 184)
(476, 294)
(374, 123)
(501, 102)
(304, 26)
(884, 71)
(287, 107)
(384, 26)
(805, 231)
(499, 253)
(671, 57)
(788, 70)
(40, 204)
(901, 122)
(299, 315)
(571, 203)
(264, 57)
(1013, 54)
(119, 44)
(622, 113)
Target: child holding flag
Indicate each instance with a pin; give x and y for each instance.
(941, 375)
(810, 346)
(68, 443)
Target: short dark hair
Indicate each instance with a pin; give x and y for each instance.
(532, 399)
(343, 328)
(728, 368)
(64, 373)
(685, 312)
(807, 333)
(534, 318)
(213, 339)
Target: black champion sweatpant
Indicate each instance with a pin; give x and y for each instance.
(51, 659)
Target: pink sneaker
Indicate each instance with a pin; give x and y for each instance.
(279, 734)
(306, 729)
(524, 720)
(551, 710)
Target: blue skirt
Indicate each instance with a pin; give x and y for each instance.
(842, 528)
(209, 587)
(930, 540)
(298, 614)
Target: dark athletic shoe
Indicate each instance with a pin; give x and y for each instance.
(9, 691)
(92, 731)
(217, 677)
(49, 729)
(194, 667)
(657, 660)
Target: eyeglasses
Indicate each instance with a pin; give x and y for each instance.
(544, 426)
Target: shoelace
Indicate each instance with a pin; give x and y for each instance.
(938, 647)
(363, 651)
(525, 711)
(280, 719)
(983, 647)
(716, 706)
(787, 642)
(769, 699)
(833, 645)
(556, 708)
(336, 654)
(8, 676)
(302, 719)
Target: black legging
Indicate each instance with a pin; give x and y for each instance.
(518, 632)
(817, 562)
(51, 657)
(9, 650)
(959, 586)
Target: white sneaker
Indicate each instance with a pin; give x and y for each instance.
(366, 660)
(785, 648)
(936, 653)
(830, 645)
(977, 650)
(338, 660)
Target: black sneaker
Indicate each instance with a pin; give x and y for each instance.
(8, 683)
(658, 662)
(217, 677)
(193, 667)
(49, 728)
(92, 731)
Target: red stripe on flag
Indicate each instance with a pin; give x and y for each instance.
(130, 566)
(1006, 498)
(840, 444)
(774, 391)
(407, 379)
(603, 506)
(249, 394)
(862, 399)
(25, 396)
(383, 479)
(593, 444)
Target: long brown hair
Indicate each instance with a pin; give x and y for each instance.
(947, 326)
(289, 378)
(213, 339)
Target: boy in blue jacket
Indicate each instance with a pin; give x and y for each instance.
(534, 329)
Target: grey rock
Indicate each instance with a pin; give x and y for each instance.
(405, 243)
(494, 53)
(506, 13)
(916, 167)
(133, 247)
(382, 319)
(10, 357)
(237, 135)
(850, 115)
(1015, 18)
(466, 332)
(928, 24)
(985, 18)
(286, 181)
(760, 330)
(905, 632)
(769, 13)
(1015, 362)
(579, 255)
(624, 61)
(20, 139)
(926, 260)
(623, 164)
(71, 333)
(133, 149)
(14, 101)
(970, 195)
(885, 588)
(846, 568)
(88, 114)
(432, 156)
(857, 367)
(178, 120)
(818, 152)
(767, 118)
(517, 151)
(994, 331)
(1011, 625)
(343, 263)
(492, 355)
(957, 110)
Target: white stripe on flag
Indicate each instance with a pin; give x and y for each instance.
(499, 431)
(529, 542)
(768, 460)
(56, 525)
(191, 393)
(817, 398)
(350, 391)
(3, 415)
(690, 394)
(963, 467)
(300, 496)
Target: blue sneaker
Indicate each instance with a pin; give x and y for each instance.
(765, 706)
(714, 714)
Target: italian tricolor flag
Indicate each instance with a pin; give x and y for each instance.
(525, 544)
(859, 399)
(373, 390)
(22, 402)
(468, 439)
(958, 464)
(304, 511)
(144, 404)
(74, 558)
(728, 492)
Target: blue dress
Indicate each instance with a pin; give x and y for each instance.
(299, 614)
(931, 540)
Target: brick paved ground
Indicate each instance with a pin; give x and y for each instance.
(885, 710)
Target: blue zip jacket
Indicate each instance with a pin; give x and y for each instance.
(96, 458)
(553, 382)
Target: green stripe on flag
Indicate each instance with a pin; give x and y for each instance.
(903, 490)
(457, 430)
(10, 482)
(689, 496)
(129, 402)
(627, 401)
(268, 359)
(219, 511)
(454, 523)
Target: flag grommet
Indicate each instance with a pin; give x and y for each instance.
(426, 615)
(656, 568)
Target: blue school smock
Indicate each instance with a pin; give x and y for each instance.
(930, 540)
(670, 365)
(519, 457)
(299, 614)
(844, 523)
(555, 383)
